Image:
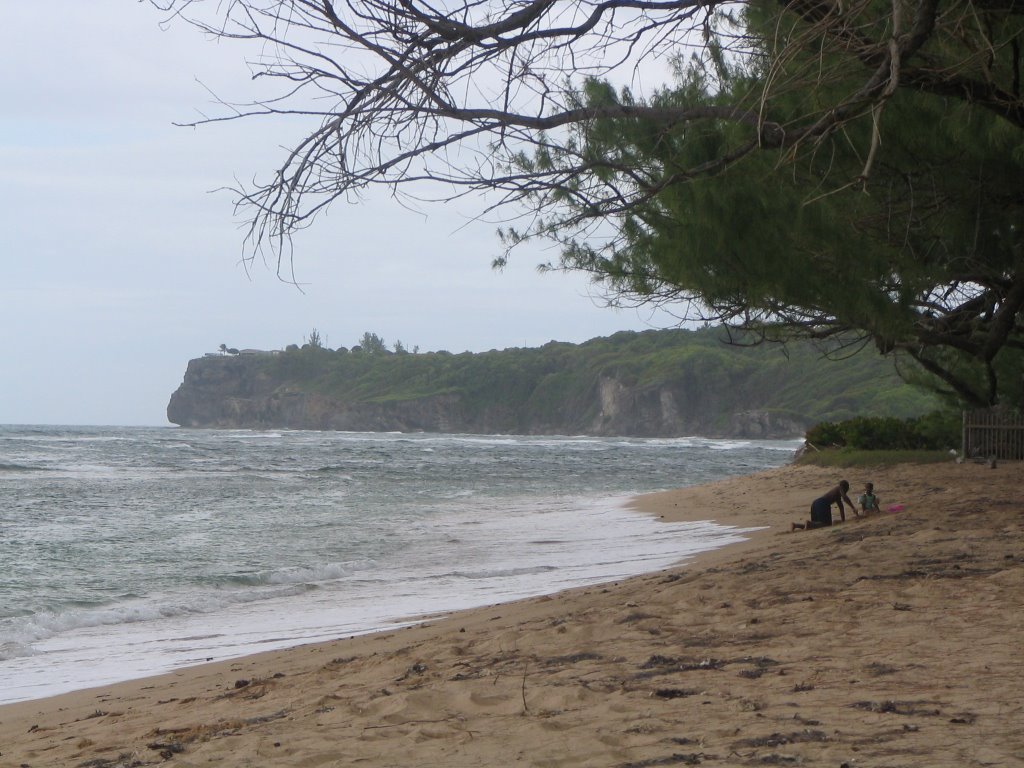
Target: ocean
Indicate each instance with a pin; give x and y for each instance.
(127, 552)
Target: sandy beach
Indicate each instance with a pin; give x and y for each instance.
(890, 641)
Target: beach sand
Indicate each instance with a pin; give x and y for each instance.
(897, 640)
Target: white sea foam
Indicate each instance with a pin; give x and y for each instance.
(135, 561)
(111, 645)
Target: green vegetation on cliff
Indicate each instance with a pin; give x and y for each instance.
(665, 382)
(798, 379)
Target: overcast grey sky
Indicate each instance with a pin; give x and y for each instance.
(120, 264)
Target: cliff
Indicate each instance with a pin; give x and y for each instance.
(653, 384)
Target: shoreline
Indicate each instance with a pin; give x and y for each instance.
(721, 658)
(316, 539)
(641, 547)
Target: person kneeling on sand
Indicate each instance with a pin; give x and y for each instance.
(868, 500)
(821, 508)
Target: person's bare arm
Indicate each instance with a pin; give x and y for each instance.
(842, 513)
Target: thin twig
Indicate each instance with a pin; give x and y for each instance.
(526, 709)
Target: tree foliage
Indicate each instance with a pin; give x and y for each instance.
(372, 344)
(817, 166)
(938, 430)
(314, 340)
(902, 223)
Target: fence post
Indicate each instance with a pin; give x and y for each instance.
(963, 433)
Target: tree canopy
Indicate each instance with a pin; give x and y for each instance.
(813, 166)
(903, 225)
(372, 344)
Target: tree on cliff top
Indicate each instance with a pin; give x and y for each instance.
(373, 344)
(314, 340)
(885, 135)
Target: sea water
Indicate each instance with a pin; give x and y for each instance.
(127, 552)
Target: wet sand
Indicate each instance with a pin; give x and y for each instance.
(897, 640)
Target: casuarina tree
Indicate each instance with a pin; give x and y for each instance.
(810, 167)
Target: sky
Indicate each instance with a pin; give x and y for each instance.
(120, 261)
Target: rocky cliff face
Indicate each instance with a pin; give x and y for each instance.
(238, 392)
(672, 411)
(235, 392)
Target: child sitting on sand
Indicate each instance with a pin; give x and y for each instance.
(868, 500)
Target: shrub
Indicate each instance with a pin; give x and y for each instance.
(825, 435)
(934, 431)
(940, 429)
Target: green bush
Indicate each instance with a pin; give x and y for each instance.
(941, 429)
(826, 435)
(934, 431)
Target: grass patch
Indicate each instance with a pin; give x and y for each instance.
(852, 457)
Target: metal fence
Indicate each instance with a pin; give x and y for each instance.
(993, 434)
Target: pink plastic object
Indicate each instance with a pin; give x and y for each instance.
(896, 508)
